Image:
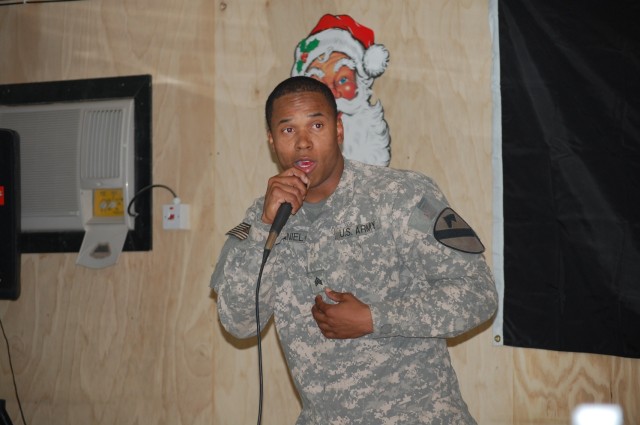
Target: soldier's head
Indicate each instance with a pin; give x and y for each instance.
(298, 85)
(305, 132)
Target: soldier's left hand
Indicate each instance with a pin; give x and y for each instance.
(347, 318)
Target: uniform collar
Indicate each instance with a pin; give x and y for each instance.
(343, 194)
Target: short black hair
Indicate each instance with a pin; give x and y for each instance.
(298, 84)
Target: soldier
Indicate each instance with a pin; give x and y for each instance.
(370, 275)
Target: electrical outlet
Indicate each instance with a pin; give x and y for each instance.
(175, 216)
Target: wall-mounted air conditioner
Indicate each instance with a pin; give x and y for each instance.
(85, 153)
(76, 162)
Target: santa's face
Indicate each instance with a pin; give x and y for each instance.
(366, 134)
(336, 74)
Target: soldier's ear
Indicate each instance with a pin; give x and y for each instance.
(270, 138)
(339, 128)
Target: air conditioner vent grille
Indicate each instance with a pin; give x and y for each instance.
(102, 133)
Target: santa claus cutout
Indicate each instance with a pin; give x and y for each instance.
(342, 54)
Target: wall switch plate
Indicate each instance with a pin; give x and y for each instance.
(175, 216)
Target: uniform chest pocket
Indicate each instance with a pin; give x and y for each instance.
(363, 265)
(374, 261)
(358, 253)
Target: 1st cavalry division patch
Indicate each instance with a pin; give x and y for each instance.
(452, 231)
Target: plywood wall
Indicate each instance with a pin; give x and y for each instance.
(139, 343)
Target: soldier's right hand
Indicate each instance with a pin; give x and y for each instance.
(289, 186)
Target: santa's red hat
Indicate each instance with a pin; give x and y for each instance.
(341, 33)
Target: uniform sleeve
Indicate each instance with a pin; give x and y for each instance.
(235, 276)
(442, 291)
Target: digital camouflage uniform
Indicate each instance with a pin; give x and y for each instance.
(374, 238)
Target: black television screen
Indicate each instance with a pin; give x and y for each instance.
(9, 214)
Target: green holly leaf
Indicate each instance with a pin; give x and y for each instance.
(305, 49)
(312, 45)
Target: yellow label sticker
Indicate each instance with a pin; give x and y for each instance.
(108, 203)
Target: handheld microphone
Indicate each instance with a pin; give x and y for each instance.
(284, 211)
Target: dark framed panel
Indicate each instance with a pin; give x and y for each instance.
(136, 87)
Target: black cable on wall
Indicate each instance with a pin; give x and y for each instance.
(12, 2)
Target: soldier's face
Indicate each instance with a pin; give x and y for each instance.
(306, 134)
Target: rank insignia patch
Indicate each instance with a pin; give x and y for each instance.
(241, 231)
(452, 231)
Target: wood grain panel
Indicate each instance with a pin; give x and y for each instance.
(132, 343)
(548, 385)
(625, 387)
(236, 24)
(140, 342)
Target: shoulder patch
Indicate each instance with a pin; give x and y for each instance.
(241, 231)
(452, 231)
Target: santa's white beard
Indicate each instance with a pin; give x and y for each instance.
(366, 133)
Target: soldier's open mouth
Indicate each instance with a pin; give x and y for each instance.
(305, 165)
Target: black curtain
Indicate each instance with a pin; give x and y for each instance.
(570, 88)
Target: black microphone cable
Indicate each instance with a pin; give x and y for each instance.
(284, 211)
(13, 373)
(259, 336)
